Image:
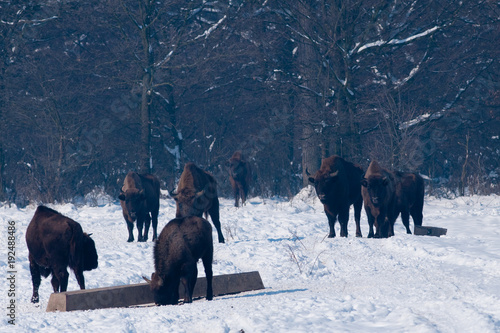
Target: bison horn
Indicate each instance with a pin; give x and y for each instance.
(199, 194)
(334, 174)
(89, 234)
(146, 279)
(307, 172)
(173, 194)
(156, 280)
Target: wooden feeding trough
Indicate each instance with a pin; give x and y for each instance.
(140, 294)
(429, 231)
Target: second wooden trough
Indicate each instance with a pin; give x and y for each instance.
(140, 294)
(429, 231)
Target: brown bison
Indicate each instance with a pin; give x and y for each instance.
(410, 190)
(379, 196)
(239, 176)
(54, 243)
(337, 187)
(197, 195)
(139, 196)
(181, 243)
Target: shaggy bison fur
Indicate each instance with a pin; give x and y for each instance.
(181, 243)
(55, 242)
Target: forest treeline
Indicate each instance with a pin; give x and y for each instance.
(90, 90)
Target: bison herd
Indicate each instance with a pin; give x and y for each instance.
(55, 241)
(385, 194)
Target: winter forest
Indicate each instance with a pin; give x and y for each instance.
(90, 90)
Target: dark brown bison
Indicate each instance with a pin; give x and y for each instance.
(410, 190)
(140, 195)
(197, 195)
(181, 243)
(54, 243)
(239, 176)
(379, 196)
(337, 187)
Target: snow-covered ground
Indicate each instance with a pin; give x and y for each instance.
(405, 283)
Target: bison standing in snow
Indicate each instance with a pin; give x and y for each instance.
(139, 196)
(197, 195)
(410, 190)
(337, 187)
(181, 243)
(379, 196)
(55, 242)
(239, 176)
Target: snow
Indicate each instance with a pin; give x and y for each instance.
(313, 284)
(207, 32)
(395, 41)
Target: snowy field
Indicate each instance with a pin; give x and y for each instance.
(405, 283)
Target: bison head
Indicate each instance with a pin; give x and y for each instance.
(134, 201)
(190, 203)
(324, 184)
(237, 168)
(165, 290)
(376, 187)
(89, 253)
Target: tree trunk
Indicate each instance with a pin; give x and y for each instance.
(311, 154)
(146, 164)
(308, 105)
(147, 10)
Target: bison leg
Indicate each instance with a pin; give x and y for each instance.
(244, 190)
(331, 222)
(371, 222)
(242, 193)
(130, 227)
(79, 277)
(379, 228)
(236, 193)
(214, 215)
(55, 283)
(343, 220)
(416, 214)
(207, 264)
(188, 279)
(391, 220)
(383, 227)
(154, 216)
(35, 279)
(405, 216)
(357, 217)
(59, 279)
(390, 227)
(147, 223)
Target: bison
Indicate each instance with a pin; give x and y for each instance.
(197, 195)
(337, 187)
(140, 196)
(410, 191)
(55, 242)
(239, 176)
(176, 252)
(379, 196)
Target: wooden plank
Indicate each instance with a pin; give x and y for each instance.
(429, 231)
(139, 294)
